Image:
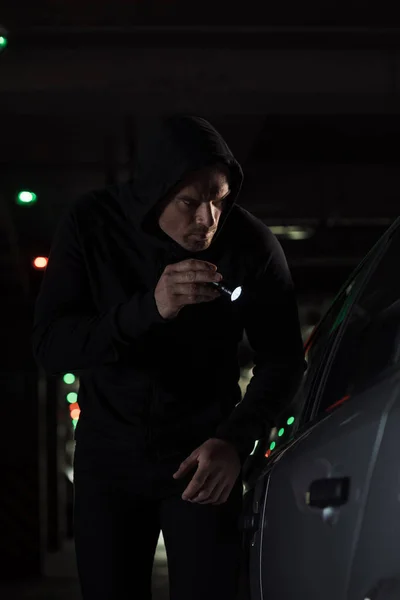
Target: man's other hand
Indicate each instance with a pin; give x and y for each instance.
(218, 467)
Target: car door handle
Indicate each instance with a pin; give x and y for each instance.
(328, 492)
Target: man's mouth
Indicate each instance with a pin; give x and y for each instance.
(202, 236)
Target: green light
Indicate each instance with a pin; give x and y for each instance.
(3, 42)
(272, 445)
(72, 397)
(69, 378)
(281, 432)
(74, 422)
(290, 421)
(26, 197)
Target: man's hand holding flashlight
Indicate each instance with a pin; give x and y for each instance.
(218, 467)
(183, 283)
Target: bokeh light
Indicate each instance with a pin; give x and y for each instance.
(72, 397)
(75, 413)
(26, 197)
(40, 262)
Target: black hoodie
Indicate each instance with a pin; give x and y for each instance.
(167, 386)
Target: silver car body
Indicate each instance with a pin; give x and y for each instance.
(323, 512)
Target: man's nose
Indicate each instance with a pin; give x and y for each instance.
(205, 215)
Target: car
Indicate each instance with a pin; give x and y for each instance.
(321, 514)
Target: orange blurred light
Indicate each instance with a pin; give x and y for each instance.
(73, 406)
(268, 453)
(75, 413)
(40, 262)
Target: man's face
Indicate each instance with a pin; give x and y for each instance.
(193, 211)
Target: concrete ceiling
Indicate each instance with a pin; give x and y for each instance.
(207, 12)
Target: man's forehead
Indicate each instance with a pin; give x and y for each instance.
(213, 182)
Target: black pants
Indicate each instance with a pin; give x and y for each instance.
(122, 502)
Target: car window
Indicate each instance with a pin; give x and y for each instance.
(318, 349)
(370, 341)
(321, 344)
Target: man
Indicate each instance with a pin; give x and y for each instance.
(128, 301)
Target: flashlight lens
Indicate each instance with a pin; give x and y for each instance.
(236, 293)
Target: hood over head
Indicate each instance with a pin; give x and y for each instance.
(166, 153)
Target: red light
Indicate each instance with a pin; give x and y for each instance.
(40, 262)
(268, 454)
(73, 406)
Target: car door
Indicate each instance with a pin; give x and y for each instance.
(309, 520)
(268, 451)
(318, 481)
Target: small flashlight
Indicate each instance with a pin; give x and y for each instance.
(233, 294)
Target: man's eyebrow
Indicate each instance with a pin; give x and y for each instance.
(187, 197)
(215, 189)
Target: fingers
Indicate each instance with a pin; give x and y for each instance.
(191, 265)
(197, 483)
(210, 493)
(191, 277)
(215, 494)
(186, 283)
(186, 466)
(197, 299)
(192, 290)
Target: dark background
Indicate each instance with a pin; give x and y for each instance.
(307, 96)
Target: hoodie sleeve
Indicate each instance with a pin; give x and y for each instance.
(68, 332)
(272, 326)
